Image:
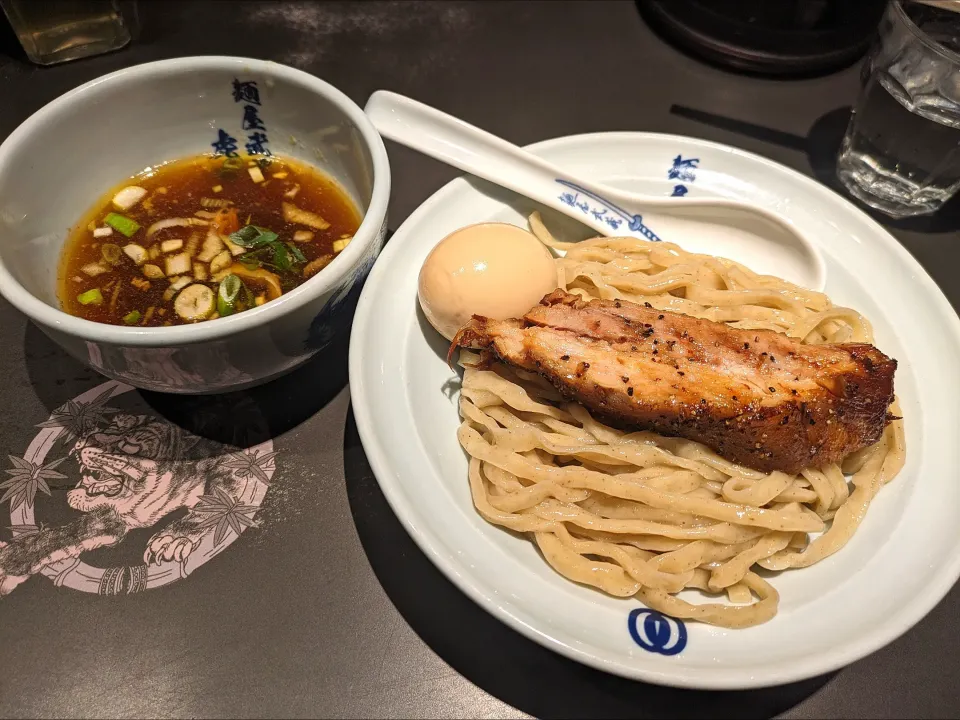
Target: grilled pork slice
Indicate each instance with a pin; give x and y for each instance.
(757, 398)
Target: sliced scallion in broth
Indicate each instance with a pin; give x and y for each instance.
(90, 297)
(228, 294)
(122, 224)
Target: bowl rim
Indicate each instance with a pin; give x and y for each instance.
(52, 317)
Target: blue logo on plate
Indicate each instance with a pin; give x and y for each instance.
(657, 633)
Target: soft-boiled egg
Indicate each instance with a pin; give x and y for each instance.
(496, 270)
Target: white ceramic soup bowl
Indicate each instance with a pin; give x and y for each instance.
(65, 156)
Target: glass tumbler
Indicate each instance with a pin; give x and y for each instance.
(53, 31)
(901, 152)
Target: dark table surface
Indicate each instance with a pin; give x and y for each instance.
(327, 608)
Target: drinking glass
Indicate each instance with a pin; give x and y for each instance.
(53, 31)
(901, 152)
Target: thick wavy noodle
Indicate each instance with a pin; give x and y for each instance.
(639, 514)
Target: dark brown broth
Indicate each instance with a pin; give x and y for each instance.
(186, 182)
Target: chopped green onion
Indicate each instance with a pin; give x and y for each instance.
(230, 288)
(132, 317)
(122, 224)
(90, 297)
(252, 236)
(110, 253)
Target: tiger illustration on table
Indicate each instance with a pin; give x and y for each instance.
(134, 472)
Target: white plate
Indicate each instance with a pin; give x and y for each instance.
(901, 562)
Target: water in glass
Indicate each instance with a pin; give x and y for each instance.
(901, 153)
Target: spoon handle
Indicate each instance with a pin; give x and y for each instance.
(479, 153)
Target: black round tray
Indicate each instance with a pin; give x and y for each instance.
(768, 37)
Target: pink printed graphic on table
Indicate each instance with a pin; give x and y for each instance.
(134, 470)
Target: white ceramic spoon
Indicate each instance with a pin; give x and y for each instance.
(753, 236)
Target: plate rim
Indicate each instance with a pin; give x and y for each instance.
(905, 619)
